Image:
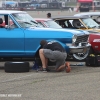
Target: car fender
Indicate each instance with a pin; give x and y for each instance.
(64, 45)
(94, 40)
(49, 40)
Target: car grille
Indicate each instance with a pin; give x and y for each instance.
(82, 38)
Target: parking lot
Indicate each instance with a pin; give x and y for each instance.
(43, 14)
(82, 83)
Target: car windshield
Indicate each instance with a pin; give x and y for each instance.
(52, 24)
(25, 20)
(90, 23)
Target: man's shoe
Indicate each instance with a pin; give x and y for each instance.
(44, 70)
(68, 69)
(41, 69)
(48, 70)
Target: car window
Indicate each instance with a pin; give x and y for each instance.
(96, 18)
(12, 23)
(40, 24)
(2, 16)
(52, 24)
(90, 23)
(25, 20)
(6, 21)
(2, 21)
(70, 23)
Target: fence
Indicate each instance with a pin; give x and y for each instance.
(42, 9)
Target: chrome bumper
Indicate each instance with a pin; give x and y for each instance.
(80, 48)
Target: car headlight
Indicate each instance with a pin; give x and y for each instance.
(74, 39)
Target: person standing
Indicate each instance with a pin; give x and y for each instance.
(48, 15)
(53, 50)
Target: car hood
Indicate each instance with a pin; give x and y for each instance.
(70, 31)
(92, 31)
(98, 30)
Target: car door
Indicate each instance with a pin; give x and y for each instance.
(11, 40)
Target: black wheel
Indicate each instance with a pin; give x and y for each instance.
(17, 67)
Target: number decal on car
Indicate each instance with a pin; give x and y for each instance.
(96, 40)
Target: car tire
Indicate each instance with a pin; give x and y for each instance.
(16, 67)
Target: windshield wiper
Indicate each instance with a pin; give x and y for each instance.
(34, 22)
(28, 23)
(94, 26)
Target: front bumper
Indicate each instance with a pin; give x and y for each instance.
(80, 48)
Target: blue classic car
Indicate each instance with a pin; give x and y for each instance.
(20, 36)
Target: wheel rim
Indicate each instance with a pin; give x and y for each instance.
(80, 56)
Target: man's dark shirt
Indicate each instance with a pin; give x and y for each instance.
(54, 46)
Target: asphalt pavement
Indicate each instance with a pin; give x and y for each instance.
(43, 14)
(82, 83)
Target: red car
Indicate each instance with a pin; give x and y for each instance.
(94, 39)
(46, 22)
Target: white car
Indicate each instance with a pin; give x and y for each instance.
(94, 15)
